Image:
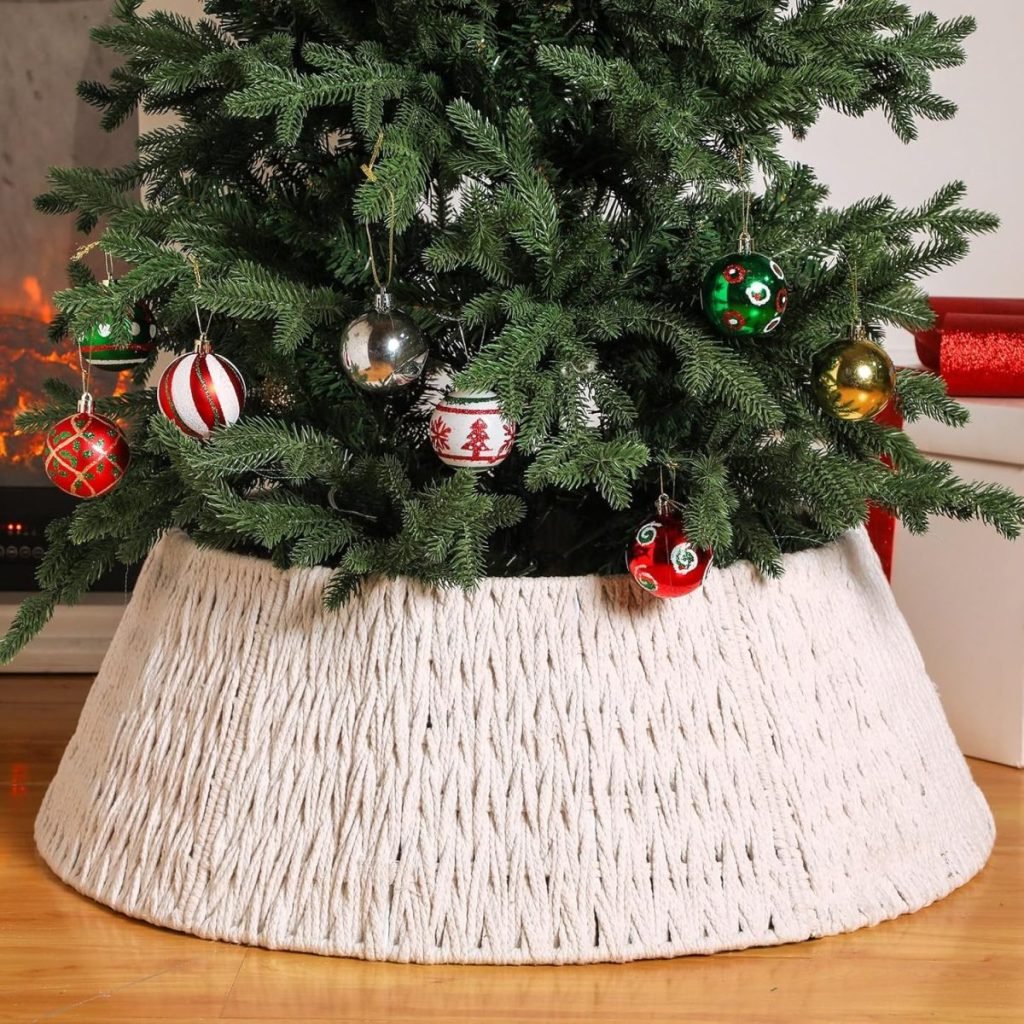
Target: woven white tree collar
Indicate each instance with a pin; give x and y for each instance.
(543, 770)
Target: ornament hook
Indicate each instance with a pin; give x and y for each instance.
(203, 331)
(746, 241)
(85, 403)
(332, 500)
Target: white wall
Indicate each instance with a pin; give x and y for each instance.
(981, 146)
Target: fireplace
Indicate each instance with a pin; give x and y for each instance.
(44, 51)
(27, 500)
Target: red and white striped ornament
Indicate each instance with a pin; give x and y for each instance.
(201, 391)
(468, 430)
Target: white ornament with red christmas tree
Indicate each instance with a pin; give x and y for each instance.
(468, 430)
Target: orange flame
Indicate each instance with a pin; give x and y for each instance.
(31, 303)
(26, 361)
(26, 355)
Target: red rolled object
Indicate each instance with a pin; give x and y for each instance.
(976, 345)
(881, 522)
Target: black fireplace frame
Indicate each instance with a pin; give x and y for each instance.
(25, 512)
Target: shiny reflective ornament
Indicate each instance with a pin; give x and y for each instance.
(201, 391)
(86, 455)
(744, 293)
(468, 430)
(663, 560)
(383, 350)
(105, 348)
(855, 378)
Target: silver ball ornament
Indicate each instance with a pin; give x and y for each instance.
(383, 350)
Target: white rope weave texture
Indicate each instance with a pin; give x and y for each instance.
(545, 770)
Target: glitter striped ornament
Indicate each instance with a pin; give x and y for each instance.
(201, 391)
(468, 430)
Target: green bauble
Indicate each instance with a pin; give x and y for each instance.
(138, 340)
(744, 293)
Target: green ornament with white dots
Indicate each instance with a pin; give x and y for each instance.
(745, 293)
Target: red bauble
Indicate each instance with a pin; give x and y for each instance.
(663, 560)
(201, 391)
(86, 455)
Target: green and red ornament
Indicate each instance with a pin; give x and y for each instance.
(86, 455)
(106, 349)
(662, 559)
(468, 430)
(745, 293)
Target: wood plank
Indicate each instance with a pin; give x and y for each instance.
(74, 640)
(65, 958)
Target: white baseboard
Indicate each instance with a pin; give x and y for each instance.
(74, 640)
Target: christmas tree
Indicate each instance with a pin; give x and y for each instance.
(543, 187)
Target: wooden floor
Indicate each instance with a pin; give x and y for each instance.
(64, 958)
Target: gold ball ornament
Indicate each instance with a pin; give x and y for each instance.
(854, 379)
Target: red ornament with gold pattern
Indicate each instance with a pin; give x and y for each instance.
(86, 454)
(662, 559)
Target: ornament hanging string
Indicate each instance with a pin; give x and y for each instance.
(746, 241)
(371, 175)
(665, 501)
(332, 500)
(855, 304)
(108, 260)
(85, 403)
(202, 341)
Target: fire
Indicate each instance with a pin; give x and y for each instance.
(27, 359)
(32, 302)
